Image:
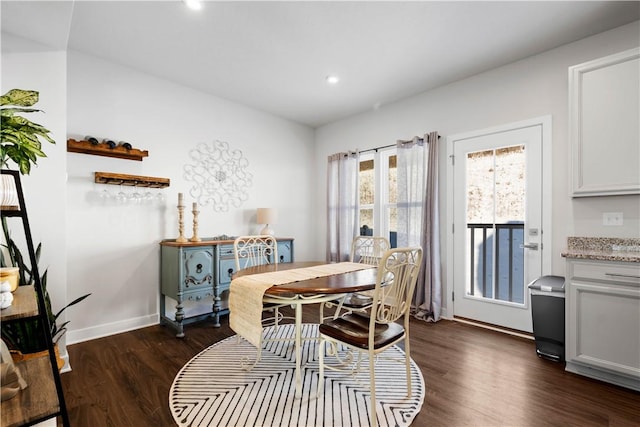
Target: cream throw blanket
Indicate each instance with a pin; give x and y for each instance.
(246, 294)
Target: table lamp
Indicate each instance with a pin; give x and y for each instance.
(267, 216)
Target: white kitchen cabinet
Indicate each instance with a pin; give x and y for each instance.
(603, 321)
(604, 130)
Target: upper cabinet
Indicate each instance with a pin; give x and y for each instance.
(604, 127)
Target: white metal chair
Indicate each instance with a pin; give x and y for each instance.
(370, 335)
(251, 251)
(364, 250)
(368, 249)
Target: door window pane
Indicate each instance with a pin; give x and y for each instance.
(366, 222)
(510, 183)
(480, 188)
(393, 226)
(392, 180)
(495, 222)
(378, 195)
(367, 183)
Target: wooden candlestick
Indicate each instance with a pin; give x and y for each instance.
(181, 238)
(195, 211)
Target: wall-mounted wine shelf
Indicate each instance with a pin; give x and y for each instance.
(131, 180)
(120, 152)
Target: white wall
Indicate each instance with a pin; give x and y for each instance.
(113, 249)
(45, 187)
(534, 87)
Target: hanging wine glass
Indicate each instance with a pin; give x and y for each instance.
(121, 197)
(160, 197)
(104, 195)
(147, 198)
(136, 196)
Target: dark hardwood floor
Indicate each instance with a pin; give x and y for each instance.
(473, 377)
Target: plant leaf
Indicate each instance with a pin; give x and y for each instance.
(11, 111)
(74, 302)
(20, 97)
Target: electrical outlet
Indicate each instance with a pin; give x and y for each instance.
(612, 218)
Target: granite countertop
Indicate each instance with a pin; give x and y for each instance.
(603, 249)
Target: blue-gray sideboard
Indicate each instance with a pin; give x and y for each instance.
(201, 271)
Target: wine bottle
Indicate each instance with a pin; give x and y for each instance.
(126, 145)
(92, 140)
(109, 143)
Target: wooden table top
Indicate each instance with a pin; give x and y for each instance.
(354, 281)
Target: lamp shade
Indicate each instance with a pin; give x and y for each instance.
(267, 216)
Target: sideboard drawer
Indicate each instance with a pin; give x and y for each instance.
(226, 269)
(226, 251)
(201, 295)
(285, 251)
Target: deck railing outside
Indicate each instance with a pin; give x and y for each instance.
(507, 265)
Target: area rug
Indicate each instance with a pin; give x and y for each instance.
(213, 390)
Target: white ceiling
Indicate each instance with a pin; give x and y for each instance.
(275, 56)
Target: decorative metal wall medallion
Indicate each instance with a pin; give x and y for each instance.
(219, 175)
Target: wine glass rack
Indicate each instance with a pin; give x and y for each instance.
(131, 180)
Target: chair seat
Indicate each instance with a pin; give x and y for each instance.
(357, 301)
(353, 329)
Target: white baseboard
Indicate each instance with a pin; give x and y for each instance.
(494, 328)
(81, 335)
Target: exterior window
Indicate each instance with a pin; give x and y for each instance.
(377, 192)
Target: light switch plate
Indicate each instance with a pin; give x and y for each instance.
(612, 218)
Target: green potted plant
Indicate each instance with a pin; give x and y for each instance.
(21, 143)
(20, 137)
(27, 336)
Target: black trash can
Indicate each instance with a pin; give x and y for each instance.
(547, 312)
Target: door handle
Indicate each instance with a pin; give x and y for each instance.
(533, 246)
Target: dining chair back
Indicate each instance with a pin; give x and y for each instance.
(368, 249)
(374, 333)
(364, 250)
(250, 251)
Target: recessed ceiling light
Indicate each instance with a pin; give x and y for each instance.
(331, 79)
(193, 4)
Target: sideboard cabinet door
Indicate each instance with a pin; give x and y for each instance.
(198, 268)
(186, 274)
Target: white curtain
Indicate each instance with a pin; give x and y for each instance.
(342, 204)
(418, 218)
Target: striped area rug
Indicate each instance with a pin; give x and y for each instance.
(213, 390)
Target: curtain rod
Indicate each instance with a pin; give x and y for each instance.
(388, 146)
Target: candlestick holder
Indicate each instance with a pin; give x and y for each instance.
(181, 238)
(195, 211)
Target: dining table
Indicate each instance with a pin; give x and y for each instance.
(298, 284)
